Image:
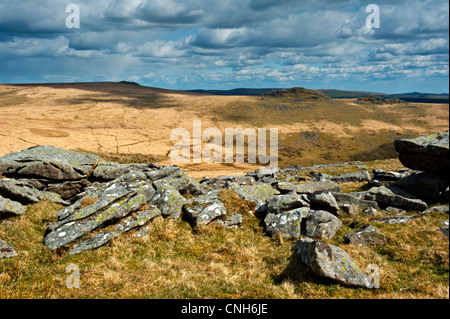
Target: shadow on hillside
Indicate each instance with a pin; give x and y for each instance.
(125, 93)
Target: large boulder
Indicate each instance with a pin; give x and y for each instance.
(428, 187)
(255, 193)
(281, 203)
(47, 162)
(425, 153)
(391, 196)
(287, 224)
(331, 262)
(204, 209)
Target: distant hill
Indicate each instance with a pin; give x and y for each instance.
(414, 97)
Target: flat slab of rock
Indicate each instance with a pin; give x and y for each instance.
(350, 199)
(325, 201)
(352, 177)
(366, 236)
(255, 193)
(396, 219)
(93, 242)
(6, 250)
(137, 219)
(47, 162)
(221, 181)
(331, 262)
(395, 197)
(309, 188)
(282, 203)
(425, 153)
(9, 208)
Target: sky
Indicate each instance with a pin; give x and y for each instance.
(226, 44)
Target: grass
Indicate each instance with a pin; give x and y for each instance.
(176, 261)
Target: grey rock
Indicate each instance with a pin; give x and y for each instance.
(282, 203)
(383, 175)
(9, 208)
(325, 201)
(425, 153)
(395, 197)
(255, 193)
(111, 171)
(203, 210)
(169, 201)
(354, 198)
(366, 236)
(370, 211)
(321, 225)
(47, 162)
(183, 183)
(428, 187)
(220, 182)
(137, 219)
(6, 250)
(351, 209)
(231, 221)
(395, 219)
(93, 242)
(310, 188)
(352, 177)
(437, 209)
(287, 224)
(331, 262)
(110, 206)
(67, 190)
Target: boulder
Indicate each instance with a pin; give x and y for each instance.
(169, 201)
(425, 153)
(383, 175)
(287, 224)
(325, 201)
(109, 171)
(281, 203)
(203, 210)
(343, 199)
(183, 183)
(47, 162)
(395, 197)
(255, 193)
(321, 225)
(352, 177)
(24, 193)
(366, 236)
(428, 187)
(309, 188)
(9, 208)
(231, 221)
(220, 182)
(330, 262)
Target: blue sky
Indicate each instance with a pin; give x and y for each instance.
(225, 44)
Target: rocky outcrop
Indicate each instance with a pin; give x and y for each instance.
(425, 153)
(395, 197)
(366, 236)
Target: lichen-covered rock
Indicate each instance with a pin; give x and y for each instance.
(93, 242)
(110, 171)
(331, 262)
(309, 188)
(366, 236)
(110, 205)
(395, 219)
(231, 221)
(221, 181)
(255, 193)
(24, 193)
(395, 197)
(352, 177)
(169, 201)
(425, 153)
(356, 199)
(282, 203)
(137, 219)
(6, 250)
(204, 209)
(321, 225)
(47, 162)
(325, 201)
(287, 224)
(9, 208)
(183, 183)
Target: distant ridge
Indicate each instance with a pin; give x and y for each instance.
(339, 94)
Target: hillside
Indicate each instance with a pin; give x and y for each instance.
(128, 122)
